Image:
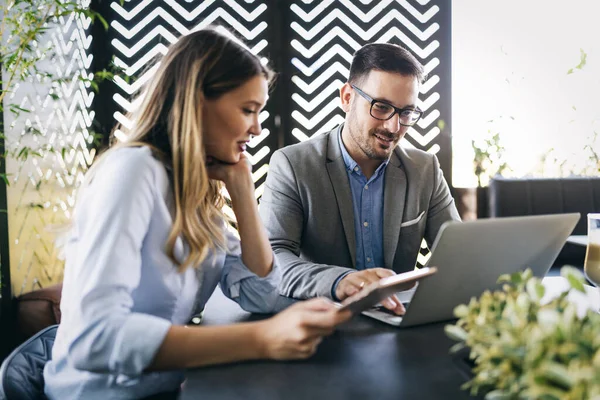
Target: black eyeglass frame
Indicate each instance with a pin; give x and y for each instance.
(397, 110)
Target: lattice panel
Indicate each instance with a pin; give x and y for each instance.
(144, 29)
(325, 34)
(42, 187)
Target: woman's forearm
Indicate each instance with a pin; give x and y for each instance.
(187, 347)
(257, 254)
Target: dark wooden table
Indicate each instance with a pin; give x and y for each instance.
(364, 359)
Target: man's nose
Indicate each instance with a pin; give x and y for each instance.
(393, 124)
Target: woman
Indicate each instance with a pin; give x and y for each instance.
(148, 242)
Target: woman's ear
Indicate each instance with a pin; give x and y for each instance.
(346, 96)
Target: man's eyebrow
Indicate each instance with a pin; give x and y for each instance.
(384, 100)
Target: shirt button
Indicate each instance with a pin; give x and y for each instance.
(366, 187)
(356, 169)
(365, 223)
(368, 259)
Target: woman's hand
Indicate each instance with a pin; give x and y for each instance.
(237, 177)
(296, 332)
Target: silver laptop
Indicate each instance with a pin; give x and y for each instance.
(470, 256)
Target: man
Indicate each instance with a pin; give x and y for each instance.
(350, 207)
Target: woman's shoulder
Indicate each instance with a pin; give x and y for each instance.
(131, 158)
(129, 166)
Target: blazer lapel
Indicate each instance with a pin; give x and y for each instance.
(341, 187)
(393, 207)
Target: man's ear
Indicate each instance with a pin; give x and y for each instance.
(345, 96)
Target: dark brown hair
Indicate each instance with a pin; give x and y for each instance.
(384, 57)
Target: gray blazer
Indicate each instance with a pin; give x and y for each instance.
(307, 210)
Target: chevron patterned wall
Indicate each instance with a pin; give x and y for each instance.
(317, 39)
(42, 187)
(144, 29)
(327, 33)
(311, 44)
(324, 36)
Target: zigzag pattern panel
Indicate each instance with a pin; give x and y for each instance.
(325, 34)
(144, 29)
(57, 137)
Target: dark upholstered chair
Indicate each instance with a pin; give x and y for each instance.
(514, 197)
(37, 310)
(21, 373)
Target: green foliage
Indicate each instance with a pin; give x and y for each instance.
(489, 158)
(582, 62)
(524, 349)
(565, 167)
(24, 25)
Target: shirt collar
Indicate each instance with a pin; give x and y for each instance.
(351, 165)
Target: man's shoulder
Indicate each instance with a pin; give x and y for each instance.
(414, 158)
(314, 148)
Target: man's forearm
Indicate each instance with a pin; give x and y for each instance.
(303, 279)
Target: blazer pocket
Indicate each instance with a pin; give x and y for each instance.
(412, 221)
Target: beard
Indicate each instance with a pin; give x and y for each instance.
(368, 143)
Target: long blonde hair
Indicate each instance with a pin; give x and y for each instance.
(202, 65)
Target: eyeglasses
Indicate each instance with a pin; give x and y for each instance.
(384, 111)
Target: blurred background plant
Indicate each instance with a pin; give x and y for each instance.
(48, 129)
(489, 157)
(522, 347)
(23, 58)
(555, 164)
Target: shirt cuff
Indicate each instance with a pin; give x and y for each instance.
(137, 343)
(334, 286)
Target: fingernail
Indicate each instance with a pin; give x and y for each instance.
(391, 303)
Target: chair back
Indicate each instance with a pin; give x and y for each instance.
(21, 373)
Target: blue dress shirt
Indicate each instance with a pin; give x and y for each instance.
(367, 204)
(121, 291)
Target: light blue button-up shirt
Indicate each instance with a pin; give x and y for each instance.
(367, 204)
(121, 291)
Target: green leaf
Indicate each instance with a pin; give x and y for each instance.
(574, 276)
(582, 62)
(535, 289)
(15, 107)
(576, 283)
(557, 374)
(457, 347)
(5, 179)
(504, 278)
(498, 395)
(455, 332)
(461, 311)
(103, 21)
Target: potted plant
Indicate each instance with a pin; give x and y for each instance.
(523, 348)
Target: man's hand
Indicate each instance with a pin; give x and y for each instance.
(356, 281)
